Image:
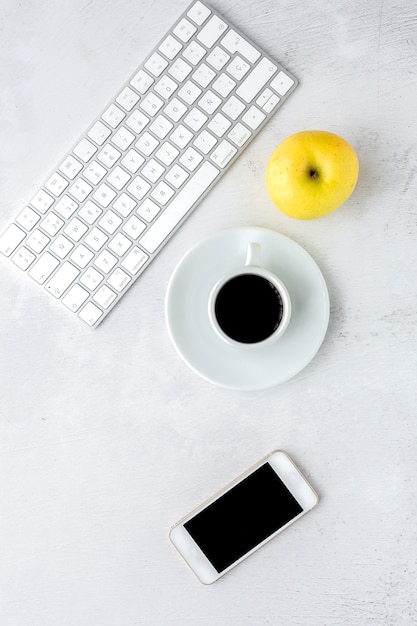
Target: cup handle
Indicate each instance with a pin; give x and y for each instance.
(253, 254)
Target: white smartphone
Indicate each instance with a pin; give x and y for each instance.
(242, 517)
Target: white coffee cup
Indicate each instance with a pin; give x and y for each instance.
(250, 306)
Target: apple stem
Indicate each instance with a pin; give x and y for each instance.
(313, 173)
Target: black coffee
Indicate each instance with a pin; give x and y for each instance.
(248, 308)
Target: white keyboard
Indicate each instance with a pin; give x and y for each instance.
(129, 182)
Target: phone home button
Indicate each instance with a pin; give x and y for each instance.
(194, 553)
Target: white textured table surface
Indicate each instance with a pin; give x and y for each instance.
(107, 437)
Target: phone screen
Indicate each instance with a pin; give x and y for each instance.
(243, 517)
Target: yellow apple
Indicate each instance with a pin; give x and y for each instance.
(311, 173)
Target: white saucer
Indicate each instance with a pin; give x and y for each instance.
(233, 367)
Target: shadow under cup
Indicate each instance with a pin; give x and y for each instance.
(248, 308)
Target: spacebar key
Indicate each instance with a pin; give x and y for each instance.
(179, 207)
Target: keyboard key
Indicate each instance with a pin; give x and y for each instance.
(94, 172)
(134, 260)
(198, 13)
(237, 68)
(180, 70)
(257, 79)
(189, 92)
(176, 176)
(148, 210)
(209, 102)
(271, 104)
(134, 227)
(191, 159)
(28, 218)
(219, 125)
(178, 208)
(108, 155)
(224, 85)
(56, 184)
(90, 212)
(113, 116)
(181, 136)
(127, 99)
(203, 75)
(233, 42)
(223, 153)
(51, 224)
(96, 239)
(104, 296)
(61, 246)
(23, 258)
(10, 239)
(132, 161)
(211, 32)
(75, 297)
(62, 279)
(120, 244)
(124, 204)
(42, 201)
(233, 107)
(146, 143)
(137, 121)
(123, 138)
(43, 268)
(205, 142)
(90, 314)
(253, 117)
(141, 82)
(194, 53)
(66, 206)
(105, 261)
(167, 153)
(282, 83)
(151, 104)
(162, 193)
(76, 229)
(195, 119)
(99, 133)
(118, 178)
(110, 222)
(85, 150)
(156, 64)
(218, 58)
(70, 167)
(175, 110)
(37, 241)
(91, 278)
(161, 126)
(166, 87)
(170, 47)
(138, 188)
(264, 97)
(239, 134)
(82, 256)
(153, 170)
(80, 189)
(119, 279)
(104, 195)
(184, 30)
